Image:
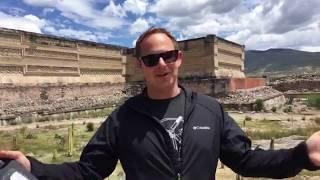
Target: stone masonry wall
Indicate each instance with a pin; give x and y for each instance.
(299, 83)
(208, 56)
(300, 86)
(31, 58)
(208, 86)
(53, 98)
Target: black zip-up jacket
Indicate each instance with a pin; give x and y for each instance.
(146, 152)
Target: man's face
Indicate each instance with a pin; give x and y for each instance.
(161, 75)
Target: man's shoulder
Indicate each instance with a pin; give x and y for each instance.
(206, 101)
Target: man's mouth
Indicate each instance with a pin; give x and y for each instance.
(162, 74)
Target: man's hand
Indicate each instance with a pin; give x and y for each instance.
(313, 144)
(18, 156)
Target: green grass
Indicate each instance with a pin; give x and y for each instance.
(280, 133)
(267, 129)
(262, 125)
(43, 142)
(313, 101)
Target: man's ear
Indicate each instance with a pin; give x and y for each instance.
(180, 58)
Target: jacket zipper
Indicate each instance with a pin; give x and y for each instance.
(187, 116)
(184, 123)
(156, 120)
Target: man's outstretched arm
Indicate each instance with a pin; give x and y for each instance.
(236, 153)
(98, 160)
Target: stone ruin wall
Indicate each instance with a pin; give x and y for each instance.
(299, 86)
(229, 59)
(29, 58)
(204, 57)
(209, 86)
(297, 83)
(23, 101)
(46, 73)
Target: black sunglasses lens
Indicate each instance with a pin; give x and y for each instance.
(150, 60)
(153, 59)
(170, 56)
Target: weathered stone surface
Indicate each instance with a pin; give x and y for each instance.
(206, 56)
(250, 95)
(40, 56)
(297, 83)
(22, 100)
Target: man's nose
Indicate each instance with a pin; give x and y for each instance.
(161, 62)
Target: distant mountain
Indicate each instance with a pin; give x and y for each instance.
(282, 61)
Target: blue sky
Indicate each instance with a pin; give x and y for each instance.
(258, 24)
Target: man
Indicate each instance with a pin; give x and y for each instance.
(168, 132)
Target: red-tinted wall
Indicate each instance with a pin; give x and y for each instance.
(246, 83)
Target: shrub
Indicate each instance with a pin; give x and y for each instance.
(61, 141)
(248, 118)
(259, 105)
(273, 109)
(23, 131)
(287, 109)
(317, 120)
(314, 101)
(30, 136)
(290, 100)
(90, 127)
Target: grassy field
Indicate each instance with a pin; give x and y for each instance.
(49, 143)
(44, 142)
(313, 101)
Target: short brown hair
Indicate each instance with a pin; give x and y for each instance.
(148, 32)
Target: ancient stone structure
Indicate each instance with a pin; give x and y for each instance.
(41, 74)
(30, 58)
(297, 83)
(206, 57)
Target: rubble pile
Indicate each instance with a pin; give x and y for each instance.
(297, 83)
(303, 77)
(59, 105)
(249, 96)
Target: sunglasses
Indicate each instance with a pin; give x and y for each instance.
(153, 59)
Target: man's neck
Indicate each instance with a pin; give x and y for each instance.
(166, 93)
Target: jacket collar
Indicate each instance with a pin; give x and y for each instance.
(137, 102)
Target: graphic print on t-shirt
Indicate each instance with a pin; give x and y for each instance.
(174, 127)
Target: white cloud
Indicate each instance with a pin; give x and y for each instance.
(177, 8)
(79, 34)
(46, 11)
(134, 42)
(28, 22)
(139, 26)
(304, 38)
(83, 12)
(136, 6)
(41, 2)
(114, 10)
(153, 20)
(16, 11)
(310, 48)
(258, 24)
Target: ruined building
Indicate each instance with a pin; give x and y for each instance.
(208, 56)
(34, 58)
(48, 74)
